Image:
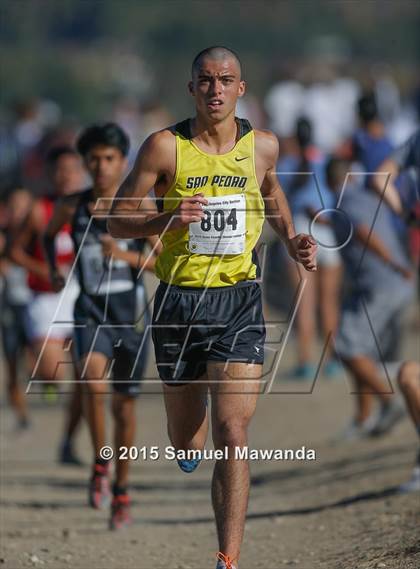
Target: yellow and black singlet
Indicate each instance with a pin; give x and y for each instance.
(218, 250)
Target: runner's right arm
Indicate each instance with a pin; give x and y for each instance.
(155, 166)
(405, 156)
(62, 214)
(31, 228)
(373, 242)
(3, 260)
(135, 259)
(384, 184)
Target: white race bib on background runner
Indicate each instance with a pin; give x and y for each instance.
(222, 231)
(104, 276)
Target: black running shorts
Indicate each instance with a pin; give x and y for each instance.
(123, 344)
(192, 326)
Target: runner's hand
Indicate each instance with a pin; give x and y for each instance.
(57, 281)
(302, 248)
(403, 271)
(189, 211)
(109, 245)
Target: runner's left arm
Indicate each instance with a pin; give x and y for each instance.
(30, 229)
(374, 243)
(383, 183)
(405, 156)
(62, 214)
(136, 259)
(301, 247)
(3, 260)
(155, 166)
(155, 245)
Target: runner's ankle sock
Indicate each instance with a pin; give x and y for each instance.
(119, 490)
(66, 443)
(24, 423)
(101, 462)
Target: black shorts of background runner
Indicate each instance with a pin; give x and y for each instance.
(192, 326)
(125, 344)
(13, 331)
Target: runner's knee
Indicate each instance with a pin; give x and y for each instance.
(122, 410)
(409, 376)
(230, 432)
(97, 389)
(182, 435)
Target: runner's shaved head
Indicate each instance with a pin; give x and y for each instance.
(216, 53)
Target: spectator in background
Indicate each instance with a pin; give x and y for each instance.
(14, 299)
(34, 119)
(329, 103)
(35, 175)
(154, 117)
(249, 108)
(380, 287)
(369, 145)
(386, 92)
(28, 126)
(302, 177)
(284, 102)
(409, 384)
(326, 98)
(127, 114)
(397, 113)
(10, 167)
(407, 158)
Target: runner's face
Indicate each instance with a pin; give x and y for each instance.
(216, 87)
(106, 165)
(18, 206)
(68, 174)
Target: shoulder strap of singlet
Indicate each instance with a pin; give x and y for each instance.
(183, 128)
(86, 197)
(244, 127)
(77, 198)
(159, 204)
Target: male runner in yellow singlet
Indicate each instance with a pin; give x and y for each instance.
(216, 177)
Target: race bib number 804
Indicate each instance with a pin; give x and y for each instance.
(222, 231)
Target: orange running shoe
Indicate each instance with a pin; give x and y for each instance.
(99, 488)
(224, 562)
(120, 512)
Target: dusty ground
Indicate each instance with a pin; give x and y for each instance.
(338, 512)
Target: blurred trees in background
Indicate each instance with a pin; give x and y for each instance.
(84, 53)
